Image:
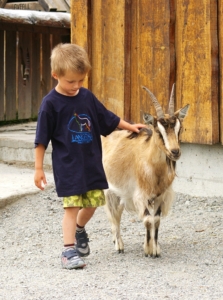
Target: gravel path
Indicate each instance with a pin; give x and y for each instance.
(191, 265)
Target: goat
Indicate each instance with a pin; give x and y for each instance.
(140, 169)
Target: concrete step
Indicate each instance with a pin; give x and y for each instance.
(17, 145)
(17, 163)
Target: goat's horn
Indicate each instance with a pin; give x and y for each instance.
(157, 106)
(171, 103)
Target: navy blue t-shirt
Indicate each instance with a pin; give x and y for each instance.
(74, 125)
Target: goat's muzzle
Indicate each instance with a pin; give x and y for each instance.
(174, 154)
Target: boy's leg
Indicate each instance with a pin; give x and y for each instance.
(84, 215)
(69, 224)
(69, 257)
(91, 200)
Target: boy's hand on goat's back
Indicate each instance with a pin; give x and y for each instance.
(40, 179)
(136, 127)
(132, 127)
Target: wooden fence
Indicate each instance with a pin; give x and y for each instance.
(156, 43)
(26, 41)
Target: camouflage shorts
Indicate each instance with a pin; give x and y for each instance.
(92, 198)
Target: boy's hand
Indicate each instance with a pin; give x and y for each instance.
(136, 127)
(40, 179)
(132, 127)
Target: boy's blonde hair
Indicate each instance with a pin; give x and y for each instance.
(69, 57)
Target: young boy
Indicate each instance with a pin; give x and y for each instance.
(73, 119)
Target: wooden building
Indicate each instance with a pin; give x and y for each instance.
(27, 37)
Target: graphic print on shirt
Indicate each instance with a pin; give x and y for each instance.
(80, 126)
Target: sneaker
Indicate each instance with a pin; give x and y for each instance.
(82, 246)
(71, 260)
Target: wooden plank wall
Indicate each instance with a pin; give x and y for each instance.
(154, 43)
(19, 98)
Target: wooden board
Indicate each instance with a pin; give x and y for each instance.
(150, 55)
(79, 26)
(127, 60)
(220, 28)
(79, 23)
(36, 95)
(10, 82)
(46, 81)
(2, 98)
(34, 29)
(172, 29)
(24, 6)
(197, 69)
(96, 53)
(113, 59)
(24, 81)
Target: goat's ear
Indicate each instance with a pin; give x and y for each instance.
(148, 119)
(181, 113)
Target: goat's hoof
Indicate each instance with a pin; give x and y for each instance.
(120, 251)
(152, 255)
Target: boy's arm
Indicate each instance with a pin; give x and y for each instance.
(132, 127)
(39, 176)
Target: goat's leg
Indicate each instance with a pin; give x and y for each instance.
(114, 212)
(152, 222)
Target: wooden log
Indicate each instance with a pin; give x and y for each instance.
(150, 57)
(197, 69)
(36, 18)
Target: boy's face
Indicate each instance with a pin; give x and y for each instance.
(69, 83)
